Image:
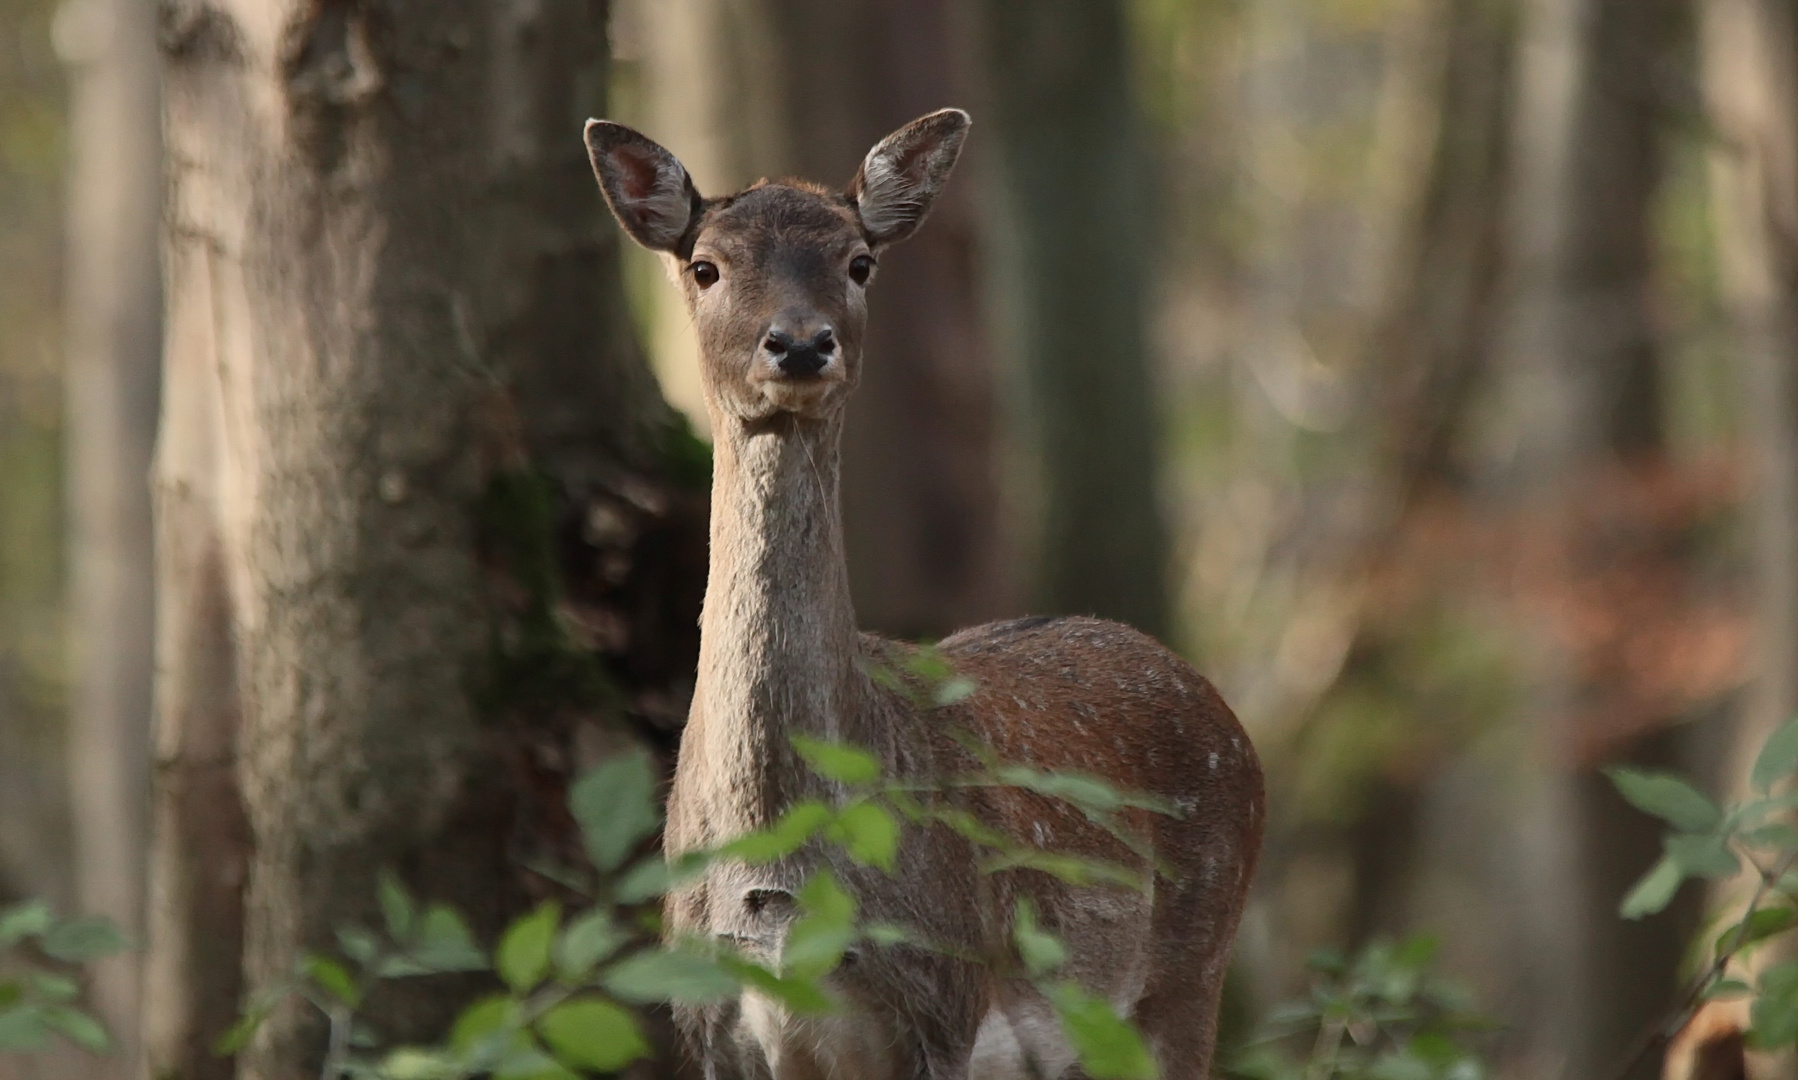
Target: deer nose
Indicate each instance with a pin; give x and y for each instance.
(798, 358)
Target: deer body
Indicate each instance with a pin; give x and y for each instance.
(775, 278)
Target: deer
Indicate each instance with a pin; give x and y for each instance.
(776, 280)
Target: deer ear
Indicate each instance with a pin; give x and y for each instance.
(902, 175)
(647, 188)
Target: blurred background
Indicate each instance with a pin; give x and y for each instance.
(1425, 371)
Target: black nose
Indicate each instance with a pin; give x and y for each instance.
(800, 359)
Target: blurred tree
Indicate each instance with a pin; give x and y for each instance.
(1585, 402)
(1431, 351)
(1750, 72)
(921, 510)
(1074, 253)
(113, 299)
(429, 539)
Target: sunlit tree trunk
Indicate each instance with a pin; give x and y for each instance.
(408, 444)
(1749, 64)
(1073, 253)
(920, 508)
(114, 306)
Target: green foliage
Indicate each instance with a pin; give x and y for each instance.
(570, 981)
(38, 984)
(1382, 1015)
(1711, 842)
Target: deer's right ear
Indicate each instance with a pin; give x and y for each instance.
(647, 188)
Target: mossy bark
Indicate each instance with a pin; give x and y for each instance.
(415, 479)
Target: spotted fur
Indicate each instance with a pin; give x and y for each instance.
(780, 654)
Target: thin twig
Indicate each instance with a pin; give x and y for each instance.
(1661, 1032)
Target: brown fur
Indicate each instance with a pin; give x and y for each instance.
(780, 654)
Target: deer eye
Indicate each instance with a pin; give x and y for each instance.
(860, 267)
(705, 274)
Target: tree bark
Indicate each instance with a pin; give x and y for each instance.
(920, 505)
(111, 372)
(415, 480)
(1584, 397)
(1749, 69)
(1071, 268)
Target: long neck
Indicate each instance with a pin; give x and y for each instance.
(777, 642)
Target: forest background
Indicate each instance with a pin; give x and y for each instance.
(1426, 371)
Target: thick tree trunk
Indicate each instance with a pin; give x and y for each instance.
(408, 446)
(920, 508)
(1073, 254)
(115, 343)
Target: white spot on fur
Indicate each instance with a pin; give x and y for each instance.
(1214, 761)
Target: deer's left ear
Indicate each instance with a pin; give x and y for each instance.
(646, 186)
(902, 175)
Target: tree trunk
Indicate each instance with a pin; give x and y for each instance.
(920, 507)
(1749, 64)
(114, 305)
(1072, 257)
(1585, 397)
(415, 479)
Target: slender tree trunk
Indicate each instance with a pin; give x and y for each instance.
(114, 303)
(408, 444)
(1749, 64)
(1073, 252)
(920, 507)
(1585, 393)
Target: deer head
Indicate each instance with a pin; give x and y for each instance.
(776, 276)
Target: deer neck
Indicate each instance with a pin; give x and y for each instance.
(778, 643)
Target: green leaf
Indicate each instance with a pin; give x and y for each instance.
(1041, 952)
(80, 940)
(238, 1035)
(590, 1033)
(396, 905)
(669, 975)
(332, 978)
(1774, 1015)
(1655, 891)
(29, 919)
(800, 996)
(1703, 856)
(1073, 869)
(838, 761)
(1726, 988)
(586, 941)
(358, 944)
(1090, 793)
(523, 954)
(22, 1029)
(1763, 924)
(486, 1018)
(442, 942)
(868, 833)
(888, 934)
(1778, 757)
(1108, 1047)
(78, 1027)
(54, 988)
(799, 824)
(413, 1063)
(969, 827)
(616, 807)
(816, 943)
(1667, 797)
(954, 690)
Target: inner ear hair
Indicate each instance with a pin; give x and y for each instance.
(903, 174)
(647, 188)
